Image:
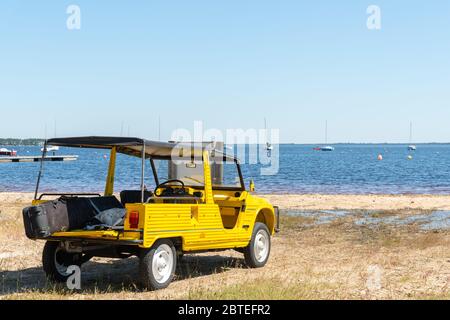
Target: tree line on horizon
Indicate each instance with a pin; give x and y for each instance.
(21, 142)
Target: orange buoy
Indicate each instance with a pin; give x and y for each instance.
(380, 157)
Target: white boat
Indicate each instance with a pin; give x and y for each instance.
(326, 147)
(50, 149)
(7, 152)
(269, 146)
(411, 146)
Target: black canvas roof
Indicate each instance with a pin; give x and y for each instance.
(101, 142)
(132, 146)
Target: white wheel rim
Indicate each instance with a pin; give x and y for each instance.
(60, 267)
(261, 246)
(162, 263)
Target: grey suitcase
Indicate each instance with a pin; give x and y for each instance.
(63, 214)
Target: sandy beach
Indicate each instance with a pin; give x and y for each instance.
(316, 201)
(310, 260)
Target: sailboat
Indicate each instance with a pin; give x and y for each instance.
(326, 147)
(50, 148)
(269, 146)
(411, 146)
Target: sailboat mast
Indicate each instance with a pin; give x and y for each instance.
(326, 132)
(410, 132)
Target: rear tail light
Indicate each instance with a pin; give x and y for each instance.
(133, 219)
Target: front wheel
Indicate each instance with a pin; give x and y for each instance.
(157, 265)
(257, 252)
(56, 260)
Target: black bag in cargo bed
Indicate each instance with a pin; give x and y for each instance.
(64, 214)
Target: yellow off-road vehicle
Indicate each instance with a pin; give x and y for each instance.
(199, 204)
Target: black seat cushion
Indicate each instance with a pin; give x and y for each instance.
(134, 196)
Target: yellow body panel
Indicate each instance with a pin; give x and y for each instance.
(199, 226)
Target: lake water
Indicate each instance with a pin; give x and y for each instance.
(350, 169)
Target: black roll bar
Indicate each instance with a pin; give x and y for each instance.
(41, 170)
(143, 173)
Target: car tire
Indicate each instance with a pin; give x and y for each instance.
(157, 265)
(180, 256)
(55, 261)
(257, 253)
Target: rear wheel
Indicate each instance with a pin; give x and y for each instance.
(257, 252)
(56, 260)
(157, 265)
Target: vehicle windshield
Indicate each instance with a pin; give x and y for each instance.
(227, 175)
(189, 172)
(223, 174)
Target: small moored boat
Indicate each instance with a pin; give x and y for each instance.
(7, 152)
(50, 149)
(269, 146)
(327, 148)
(411, 146)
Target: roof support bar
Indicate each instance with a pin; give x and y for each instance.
(41, 170)
(209, 197)
(109, 189)
(143, 173)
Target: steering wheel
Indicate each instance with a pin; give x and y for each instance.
(166, 182)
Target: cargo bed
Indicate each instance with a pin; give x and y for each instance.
(98, 236)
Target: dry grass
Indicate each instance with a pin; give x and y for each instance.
(270, 289)
(329, 261)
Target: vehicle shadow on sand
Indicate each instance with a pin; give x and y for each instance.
(112, 275)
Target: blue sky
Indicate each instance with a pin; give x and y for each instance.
(229, 63)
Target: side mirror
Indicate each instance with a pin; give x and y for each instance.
(252, 186)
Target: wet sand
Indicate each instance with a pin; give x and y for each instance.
(363, 202)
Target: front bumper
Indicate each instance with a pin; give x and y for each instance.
(277, 217)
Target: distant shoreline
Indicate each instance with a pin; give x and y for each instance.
(31, 142)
